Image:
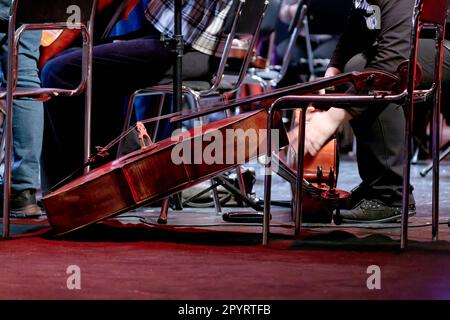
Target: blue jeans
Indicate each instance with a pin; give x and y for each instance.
(28, 118)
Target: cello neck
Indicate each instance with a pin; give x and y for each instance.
(374, 80)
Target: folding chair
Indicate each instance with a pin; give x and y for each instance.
(203, 92)
(294, 31)
(43, 15)
(269, 77)
(247, 20)
(268, 28)
(427, 14)
(325, 18)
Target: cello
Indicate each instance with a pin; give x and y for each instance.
(151, 174)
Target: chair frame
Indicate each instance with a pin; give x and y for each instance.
(407, 98)
(256, 75)
(198, 95)
(41, 94)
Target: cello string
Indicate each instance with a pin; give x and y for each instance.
(124, 134)
(93, 159)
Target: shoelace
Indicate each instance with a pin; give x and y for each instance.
(373, 204)
(370, 204)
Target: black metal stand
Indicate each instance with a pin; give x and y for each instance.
(177, 45)
(179, 51)
(178, 71)
(444, 154)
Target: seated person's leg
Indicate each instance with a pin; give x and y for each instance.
(380, 143)
(380, 140)
(27, 128)
(118, 69)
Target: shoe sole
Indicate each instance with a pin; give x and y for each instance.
(396, 218)
(31, 212)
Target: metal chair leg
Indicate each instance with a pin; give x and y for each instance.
(406, 177)
(88, 52)
(436, 132)
(216, 199)
(164, 212)
(299, 181)
(269, 171)
(435, 185)
(268, 181)
(8, 133)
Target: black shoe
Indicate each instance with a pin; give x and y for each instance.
(23, 204)
(374, 211)
(357, 195)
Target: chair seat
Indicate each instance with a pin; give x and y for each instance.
(42, 94)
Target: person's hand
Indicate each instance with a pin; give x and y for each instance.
(332, 72)
(293, 133)
(318, 130)
(320, 126)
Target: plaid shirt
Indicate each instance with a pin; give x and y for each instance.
(203, 21)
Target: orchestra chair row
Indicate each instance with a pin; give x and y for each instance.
(26, 15)
(311, 18)
(429, 14)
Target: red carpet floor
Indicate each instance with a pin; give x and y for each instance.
(142, 263)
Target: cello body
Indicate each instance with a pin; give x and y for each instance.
(314, 208)
(150, 174)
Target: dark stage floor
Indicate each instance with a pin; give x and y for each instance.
(127, 259)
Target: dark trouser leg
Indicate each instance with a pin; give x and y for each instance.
(379, 132)
(380, 144)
